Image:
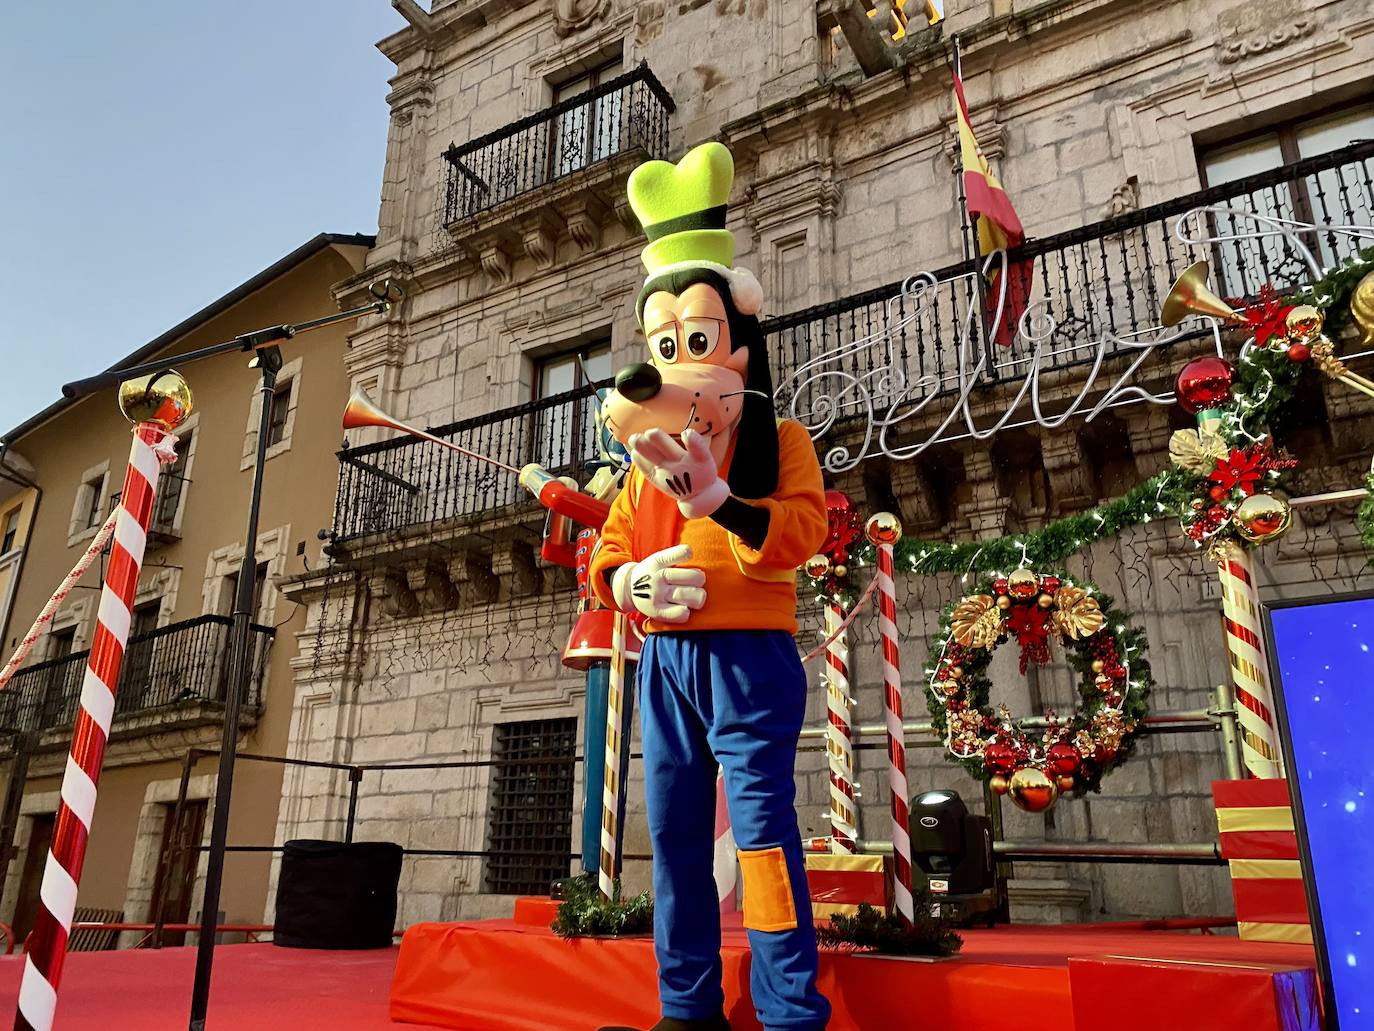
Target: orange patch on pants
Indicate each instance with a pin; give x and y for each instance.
(768, 904)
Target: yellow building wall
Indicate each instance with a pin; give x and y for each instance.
(298, 492)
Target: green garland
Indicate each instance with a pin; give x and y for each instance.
(869, 930)
(584, 912)
(1332, 292)
(1130, 647)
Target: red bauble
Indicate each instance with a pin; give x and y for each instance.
(1299, 352)
(1204, 383)
(999, 757)
(1049, 584)
(999, 586)
(1062, 758)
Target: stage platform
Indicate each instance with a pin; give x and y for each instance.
(515, 975)
(505, 975)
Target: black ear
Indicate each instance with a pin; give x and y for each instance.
(754, 465)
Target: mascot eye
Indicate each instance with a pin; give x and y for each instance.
(665, 344)
(702, 336)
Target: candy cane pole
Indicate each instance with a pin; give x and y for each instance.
(1245, 649)
(723, 864)
(884, 530)
(839, 744)
(157, 404)
(617, 726)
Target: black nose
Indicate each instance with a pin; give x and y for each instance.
(638, 382)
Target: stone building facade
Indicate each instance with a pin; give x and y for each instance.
(433, 636)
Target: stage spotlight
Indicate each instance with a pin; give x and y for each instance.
(953, 849)
(387, 290)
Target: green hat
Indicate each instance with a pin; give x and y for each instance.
(682, 209)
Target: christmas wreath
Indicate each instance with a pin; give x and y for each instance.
(1071, 754)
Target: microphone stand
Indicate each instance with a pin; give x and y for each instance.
(268, 362)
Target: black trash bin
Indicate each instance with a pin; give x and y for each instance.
(332, 895)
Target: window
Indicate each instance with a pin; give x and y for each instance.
(1325, 198)
(591, 130)
(530, 825)
(229, 592)
(565, 432)
(136, 674)
(61, 643)
(281, 415)
(94, 494)
(281, 408)
(88, 506)
(62, 681)
(170, 485)
(11, 533)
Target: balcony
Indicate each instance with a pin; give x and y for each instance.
(517, 189)
(172, 676)
(1095, 299)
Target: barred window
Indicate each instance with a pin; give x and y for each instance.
(530, 822)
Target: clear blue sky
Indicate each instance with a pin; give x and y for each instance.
(156, 153)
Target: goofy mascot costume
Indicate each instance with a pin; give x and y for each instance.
(720, 507)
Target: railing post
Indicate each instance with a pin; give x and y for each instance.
(1233, 761)
(355, 776)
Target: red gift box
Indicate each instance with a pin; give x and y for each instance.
(838, 883)
(1255, 818)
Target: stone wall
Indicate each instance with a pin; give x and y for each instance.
(1088, 108)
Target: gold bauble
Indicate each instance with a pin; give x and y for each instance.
(998, 783)
(1022, 584)
(1197, 504)
(1003, 602)
(841, 570)
(163, 399)
(956, 672)
(817, 566)
(1032, 790)
(1262, 517)
(1098, 665)
(1046, 601)
(1362, 309)
(1305, 321)
(1066, 783)
(884, 528)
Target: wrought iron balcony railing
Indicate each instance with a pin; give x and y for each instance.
(627, 114)
(165, 670)
(408, 482)
(1093, 289)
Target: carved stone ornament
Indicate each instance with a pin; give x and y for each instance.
(1254, 29)
(571, 16)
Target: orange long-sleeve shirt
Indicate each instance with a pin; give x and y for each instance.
(746, 589)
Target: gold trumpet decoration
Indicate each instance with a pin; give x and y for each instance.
(1305, 325)
(1190, 295)
(361, 411)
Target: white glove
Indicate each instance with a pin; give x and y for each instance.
(658, 589)
(688, 473)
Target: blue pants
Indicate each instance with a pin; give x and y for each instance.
(736, 698)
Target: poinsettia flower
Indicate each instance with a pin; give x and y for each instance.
(1242, 469)
(1268, 317)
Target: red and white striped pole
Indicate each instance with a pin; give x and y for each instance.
(885, 530)
(839, 741)
(156, 404)
(1240, 606)
(724, 861)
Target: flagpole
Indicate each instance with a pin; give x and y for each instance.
(968, 226)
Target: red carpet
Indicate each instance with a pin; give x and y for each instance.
(255, 988)
(504, 976)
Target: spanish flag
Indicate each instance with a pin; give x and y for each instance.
(999, 227)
